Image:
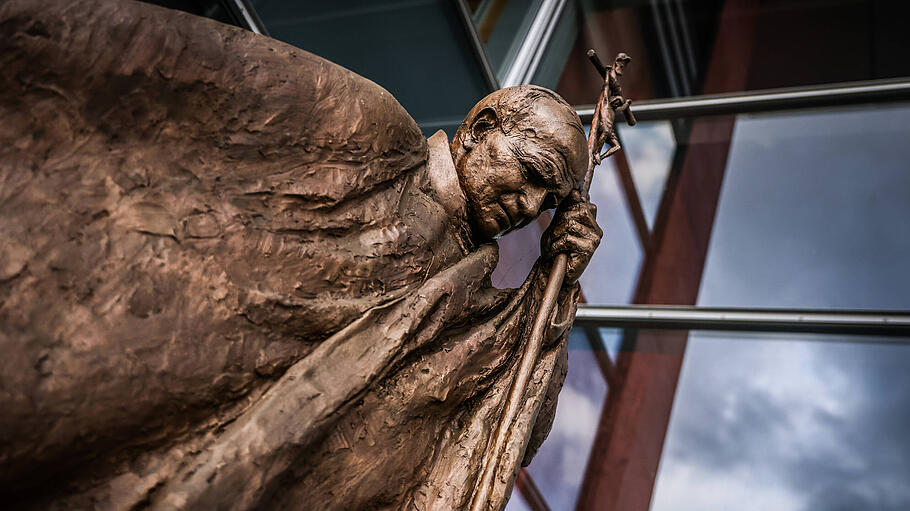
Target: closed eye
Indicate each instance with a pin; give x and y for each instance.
(550, 202)
(533, 174)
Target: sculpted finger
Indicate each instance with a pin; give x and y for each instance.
(570, 244)
(584, 215)
(576, 266)
(579, 214)
(558, 246)
(574, 198)
(585, 230)
(576, 227)
(574, 244)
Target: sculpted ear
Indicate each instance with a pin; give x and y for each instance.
(483, 122)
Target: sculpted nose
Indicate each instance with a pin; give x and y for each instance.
(533, 200)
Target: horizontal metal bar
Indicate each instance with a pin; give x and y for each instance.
(882, 323)
(769, 100)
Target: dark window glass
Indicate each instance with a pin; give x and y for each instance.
(799, 209)
(418, 51)
(218, 10)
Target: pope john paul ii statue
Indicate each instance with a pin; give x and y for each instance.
(234, 275)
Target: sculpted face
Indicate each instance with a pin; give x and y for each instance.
(518, 153)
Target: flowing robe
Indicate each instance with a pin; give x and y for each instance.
(229, 280)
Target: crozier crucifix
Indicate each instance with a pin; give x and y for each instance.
(236, 276)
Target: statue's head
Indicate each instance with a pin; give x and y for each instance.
(620, 63)
(520, 151)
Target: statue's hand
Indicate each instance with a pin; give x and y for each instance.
(574, 231)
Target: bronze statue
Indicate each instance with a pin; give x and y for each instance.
(234, 275)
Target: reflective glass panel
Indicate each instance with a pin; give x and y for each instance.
(517, 502)
(692, 47)
(813, 212)
(650, 148)
(802, 209)
(214, 9)
(788, 422)
(559, 467)
(611, 275)
(709, 420)
(518, 251)
(417, 50)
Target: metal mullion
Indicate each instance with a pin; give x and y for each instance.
(602, 357)
(878, 323)
(633, 201)
(769, 100)
(534, 44)
(245, 12)
(530, 492)
(477, 45)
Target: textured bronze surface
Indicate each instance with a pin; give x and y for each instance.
(234, 275)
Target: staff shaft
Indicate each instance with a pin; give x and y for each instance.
(528, 361)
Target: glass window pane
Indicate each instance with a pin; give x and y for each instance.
(708, 421)
(518, 251)
(788, 422)
(692, 47)
(558, 468)
(650, 148)
(213, 9)
(517, 502)
(611, 275)
(813, 212)
(418, 51)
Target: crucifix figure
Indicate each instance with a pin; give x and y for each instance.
(610, 101)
